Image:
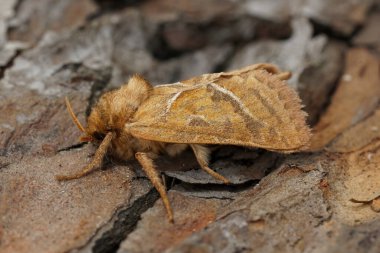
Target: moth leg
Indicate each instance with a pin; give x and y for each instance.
(94, 164)
(202, 154)
(146, 161)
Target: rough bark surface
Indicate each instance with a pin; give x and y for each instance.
(324, 200)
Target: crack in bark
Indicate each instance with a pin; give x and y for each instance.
(125, 223)
(4, 165)
(193, 189)
(72, 147)
(4, 151)
(10, 63)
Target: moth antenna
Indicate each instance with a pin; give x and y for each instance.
(74, 118)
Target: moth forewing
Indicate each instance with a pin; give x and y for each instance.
(249, 108)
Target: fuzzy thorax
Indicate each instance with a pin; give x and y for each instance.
(113, 110)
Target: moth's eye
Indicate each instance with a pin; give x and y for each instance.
(98, 136)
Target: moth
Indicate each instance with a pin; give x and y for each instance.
(251, 107)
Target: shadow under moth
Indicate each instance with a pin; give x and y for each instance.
(251, 107)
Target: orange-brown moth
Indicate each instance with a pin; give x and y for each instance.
(251, 107)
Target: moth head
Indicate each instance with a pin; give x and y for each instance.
(113, 110)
